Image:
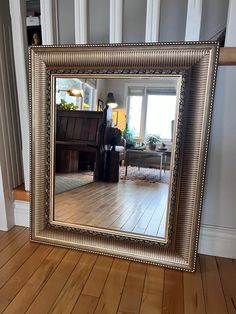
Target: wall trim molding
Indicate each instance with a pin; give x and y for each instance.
(213, 240)
(19, 38)
(116, 21)
(11, 173)
(22, 213)
(152, 20)
(193, 20)
(81, 21)
(217, 241)
(47, 22)
(230, 40)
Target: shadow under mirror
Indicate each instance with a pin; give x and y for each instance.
(114, 148)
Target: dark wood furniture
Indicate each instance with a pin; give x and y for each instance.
(144, 159)
(81, 133)
(112, 166)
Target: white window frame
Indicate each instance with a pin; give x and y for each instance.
(91, 83)
(146, 87)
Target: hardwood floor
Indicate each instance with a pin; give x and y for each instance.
(130, 206)
(38, 278)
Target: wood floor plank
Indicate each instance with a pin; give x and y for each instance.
(125, 203)
(194, 302)
(173, 297)
(38, 279)
(110, 298)
(27, 294)
(19, 193)
(162, 227)
(141, 204)
(66, 300)
(129, 209)
(140, 207)
(15, 245)
(133, 289)
(80, 199)
(98, 211)
(143, 222)
(19, 279)
(2, 233)
(9, 269)
(98, 276)
(153, 291)
(108, 220)
(234, 262)
(228, 280)
(123, 218)
(213, 293)
(89, 297)
(86, 304)
(86, 206)
(49, 293)
(154, 223)
(9, 236)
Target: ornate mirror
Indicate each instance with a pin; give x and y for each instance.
(118, 147)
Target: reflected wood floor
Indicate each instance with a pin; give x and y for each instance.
(37, 278)
(129, 206)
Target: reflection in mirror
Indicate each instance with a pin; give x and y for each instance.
(114, 151)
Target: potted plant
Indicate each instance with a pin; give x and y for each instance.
(128, 135)
(66, 106)
(152, 140)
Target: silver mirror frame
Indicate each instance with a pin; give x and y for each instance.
(196, 63)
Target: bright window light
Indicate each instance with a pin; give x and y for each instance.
(160, 113)
(135, 110)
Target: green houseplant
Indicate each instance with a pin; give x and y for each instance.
(128, 135)
(66, 106)
(152, 140)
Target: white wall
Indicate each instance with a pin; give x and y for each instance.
(173, 20)
(218, 225)
(10, 142)
(119, 87)
(134, 21)
(220, 190)
(214, 17)
(230, 36)
(66, 21)
(98, 21)
(102, 89)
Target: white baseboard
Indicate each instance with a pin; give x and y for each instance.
(217, 241)
(3, 227)
(22, 213)
(213, 240)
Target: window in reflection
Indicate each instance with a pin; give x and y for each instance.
(68, 96)
(160, 114)
(151, 111)
(135, 114)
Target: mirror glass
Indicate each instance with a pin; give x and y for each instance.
(115, 139)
